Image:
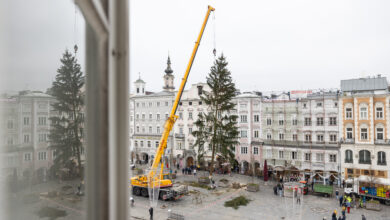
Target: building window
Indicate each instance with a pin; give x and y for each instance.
(26, 121)
(158, 117)
(320, 138)
(189, 103)
(150, 116)
(166, 103)
(150, 104)
(244, 134)
(348, 113)
(269, 121)
(42, 155)
(243, 118)
(135, 143)
(242, 106)
(143, 117)
(26, 138)
(137, 104)
(143, 104)
(141, 143)
(158, 104)
(180, 115)
(256, 134)
(363, 113)
(42, 120)
(379, 133)
(10, 124)
(335, 104)
(42, 138)
(294, 121)
(348, 156)
(364, 157)
(381, 158)
(166, 115)
(295, 137)
(304, 105)
(200, 103)
(333, 138)
(332, 121)
(149, 144)
(332, 158)
(256, 118)
(307, 121)
(319, 104)
(281, 154)
(320, 157)
(320, 121)
(281, 136)
(281, 121)
(269, 136)
(137, 129)
(269, 153)
(294, 155)
(158, 129)
(190, 115)
(150, 129)
(349, 133)
(363, 133)
(379, 113)
(143, 129)
(27, 157)
(308, 138)
(190, 130)
(137, 117)
(157, 143)
(181, 130)
(244, 150)
(256, 150)
(307, 156)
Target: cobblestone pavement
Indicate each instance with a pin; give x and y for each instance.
(264, 204)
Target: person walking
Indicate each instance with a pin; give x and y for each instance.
(298, 199)
(337, 194)
(343, 211)
(194, 172)
(341, 200)
(340, 218)
(349, 204)
(151, 213)
(334, 215)
(364, 217)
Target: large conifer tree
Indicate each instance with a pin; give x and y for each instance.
(218, 126)
(66, 129)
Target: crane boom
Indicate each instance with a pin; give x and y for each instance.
(172, 117)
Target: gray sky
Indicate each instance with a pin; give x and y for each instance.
(270, 45)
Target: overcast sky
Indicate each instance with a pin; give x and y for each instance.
(270, 45)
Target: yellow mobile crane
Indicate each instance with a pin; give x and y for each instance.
(140, 184)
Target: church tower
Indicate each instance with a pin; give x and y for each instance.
(168, 77)
(139, 86)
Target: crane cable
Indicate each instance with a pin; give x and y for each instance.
(214, 28)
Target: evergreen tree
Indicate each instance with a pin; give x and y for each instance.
(66, 128)
(218, 127)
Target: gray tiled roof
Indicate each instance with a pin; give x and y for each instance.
(364, 84)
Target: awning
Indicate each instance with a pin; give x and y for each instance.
(279, 168)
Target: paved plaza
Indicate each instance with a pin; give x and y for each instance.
(198, 204)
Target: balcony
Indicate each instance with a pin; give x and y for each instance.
(350, 141)
(348, 161)
(382, 163)
(382, 142)
(181, 136)
(364, 161)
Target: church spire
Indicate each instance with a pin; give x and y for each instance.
(168, 77)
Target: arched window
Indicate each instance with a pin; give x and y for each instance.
(348, 156)
(364, 157)
(381, 158)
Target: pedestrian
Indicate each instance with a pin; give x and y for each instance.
(343, 211)
(132, 201)
(151, 213)
(343, 183)
(177, 165)
(298, 199)
(341, 200)
(182, 171)
(334, 215)
(312, 185)
(275, 190)
(349, 204)
(194, 172)
(363, 217)
(337, 194)
(340, 218)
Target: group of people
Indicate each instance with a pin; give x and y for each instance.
(342, 216)
(189, 170)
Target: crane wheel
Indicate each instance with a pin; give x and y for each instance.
(137, 191)
(144, 192)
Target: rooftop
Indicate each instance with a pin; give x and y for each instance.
(364, 84)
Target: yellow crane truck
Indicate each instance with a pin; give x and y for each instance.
(141, 184)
